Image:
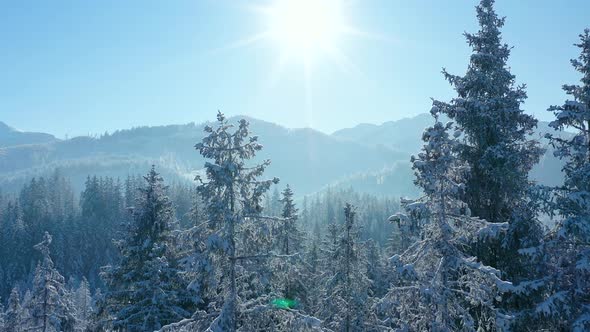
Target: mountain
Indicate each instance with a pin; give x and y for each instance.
(369, 158)
(11, 137)
(405, 136)
(305, 158)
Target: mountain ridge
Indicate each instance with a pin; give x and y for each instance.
(12, 137)
(304, 156)
(369, 157)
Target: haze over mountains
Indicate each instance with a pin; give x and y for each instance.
(370, 158)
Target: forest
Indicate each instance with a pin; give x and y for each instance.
(239, 250)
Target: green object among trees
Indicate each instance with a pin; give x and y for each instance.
(284, 303)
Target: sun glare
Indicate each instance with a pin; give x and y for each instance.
(306, 32)
(305, 28)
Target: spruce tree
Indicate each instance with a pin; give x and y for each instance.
(346, 302)
(496, 144)
(232, 195)
(146, 290)
(82, 300)
(289, 270)
(13, 317)
(437, 285)
(565, 302)
(376, 271)
(49, 308)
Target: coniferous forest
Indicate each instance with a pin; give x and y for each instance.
(237, 249)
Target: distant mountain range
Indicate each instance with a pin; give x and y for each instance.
(370, 158)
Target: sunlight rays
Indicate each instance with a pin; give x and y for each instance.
(306, 33)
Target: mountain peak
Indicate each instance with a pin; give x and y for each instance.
(11, 137)
(4, 128)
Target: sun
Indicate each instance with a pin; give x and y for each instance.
(306, 32)
(304, 29)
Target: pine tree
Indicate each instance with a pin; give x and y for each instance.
(48, 308)
(275, 202)
(2, 314)
(565, 303)
(101, 207)
(232, 195)
(437, 286)
(495, 146)
(329, 250)
(305, 214)
(289, 267)
(14, 249)
(82, 300)
(376, 271)
(146, 290)
(346, 299)
(314, 276)
(13, 317)
(193, 248)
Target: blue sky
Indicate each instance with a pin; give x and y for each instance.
(78, 67)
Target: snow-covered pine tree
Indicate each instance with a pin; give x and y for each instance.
(566, 288)
(305, 215)
(198, 268)
(436, 285)
(289, 271)
(496, 144)
(275, 202)
(232, 194)
(2, 314)
(146, 290)
(409, 224)
(14, 249)
(49, 308)
(193, 248)
(376, 269)
(314, 276)
(82, 300)
(328, 251)
(196, 214)
(346, 302)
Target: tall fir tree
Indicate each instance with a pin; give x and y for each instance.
(13, 317)
(437, 286)
(565, 302)
(146, 290)
(346, 301)
(496, 144)
(289, 267)
(49, 308)
(83, 305)
(232, 195)
(376, 271)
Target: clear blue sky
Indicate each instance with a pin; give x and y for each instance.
(77, 67)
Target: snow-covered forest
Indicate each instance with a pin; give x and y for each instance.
(237, 249)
